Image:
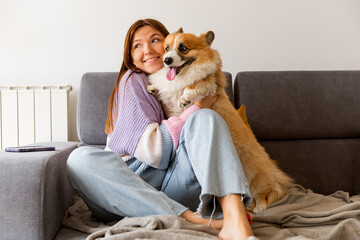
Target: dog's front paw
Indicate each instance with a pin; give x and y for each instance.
(257, 206)
(259, 209)
(183, 102)
(260, 206)
(152, 89)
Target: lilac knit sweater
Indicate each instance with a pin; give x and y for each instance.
(140, 129)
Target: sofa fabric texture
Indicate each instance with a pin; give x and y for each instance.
(95, 90)
(322, 165)
(300, 104)
(34, 192)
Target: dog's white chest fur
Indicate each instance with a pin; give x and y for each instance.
(169, 92)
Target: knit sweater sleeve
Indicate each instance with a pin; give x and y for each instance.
(140, 129)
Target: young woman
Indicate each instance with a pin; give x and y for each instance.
(152, 165)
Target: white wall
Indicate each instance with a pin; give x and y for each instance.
(54, 42)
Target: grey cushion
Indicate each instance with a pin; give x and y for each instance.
(95, 90)
(229, 87)
(34, 192)
(301, 104)
(323, 165)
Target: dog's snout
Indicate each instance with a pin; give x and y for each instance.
(168, 60)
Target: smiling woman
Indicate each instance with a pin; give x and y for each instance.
(147, 49)
(128, 63)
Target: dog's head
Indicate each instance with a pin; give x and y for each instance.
(185, 50)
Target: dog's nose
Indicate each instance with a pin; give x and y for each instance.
(168, 60)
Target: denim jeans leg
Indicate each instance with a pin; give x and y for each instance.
(206, 153)
(104, 181)
(180, 182)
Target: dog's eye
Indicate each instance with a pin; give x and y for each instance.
(167, 48)
(182, 48)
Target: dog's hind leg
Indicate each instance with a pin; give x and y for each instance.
(260, 187)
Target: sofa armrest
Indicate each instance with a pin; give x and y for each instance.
(34, 192)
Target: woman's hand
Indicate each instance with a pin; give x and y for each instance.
(206, 102)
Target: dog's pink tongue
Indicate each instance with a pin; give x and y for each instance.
(171, 73)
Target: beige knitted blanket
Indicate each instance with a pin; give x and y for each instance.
(302, 214)
(314, 216)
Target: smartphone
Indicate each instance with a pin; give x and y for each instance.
(29, 149)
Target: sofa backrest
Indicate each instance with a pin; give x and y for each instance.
(309, 121)
(301, 104)
(94, 93)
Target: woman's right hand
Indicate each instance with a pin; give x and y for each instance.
(206, 102)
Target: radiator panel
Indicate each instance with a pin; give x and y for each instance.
(42, 116)
(26, 117)
(31, 114)
(9, 120)
(59, 127)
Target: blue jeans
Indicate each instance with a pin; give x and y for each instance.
(205, 165)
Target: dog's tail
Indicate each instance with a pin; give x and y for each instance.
(281, 186)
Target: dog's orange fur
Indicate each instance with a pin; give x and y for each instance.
(266, 181)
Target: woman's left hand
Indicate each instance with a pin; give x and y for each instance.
(206, 102)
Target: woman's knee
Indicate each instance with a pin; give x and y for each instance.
(75, 159)
(91, 160)
(80, 161)
(203, 118)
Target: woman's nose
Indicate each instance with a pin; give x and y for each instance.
(148, 49)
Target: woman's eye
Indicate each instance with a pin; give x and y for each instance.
(136, 45)
(167, 48)
(155, 40)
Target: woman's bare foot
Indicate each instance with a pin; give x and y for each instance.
(235, 230)
(197, 219)
(236, 223)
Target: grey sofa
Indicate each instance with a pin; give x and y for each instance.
(307, 120)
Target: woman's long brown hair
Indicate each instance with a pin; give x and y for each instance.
(128, 64)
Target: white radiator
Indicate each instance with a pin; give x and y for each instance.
(31, 114)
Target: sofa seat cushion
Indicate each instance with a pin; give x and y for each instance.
(323, 165)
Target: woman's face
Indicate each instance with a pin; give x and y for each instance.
(147, 49)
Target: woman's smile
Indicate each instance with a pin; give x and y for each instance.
(152, 60)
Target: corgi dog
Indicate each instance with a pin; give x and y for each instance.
(192, 71)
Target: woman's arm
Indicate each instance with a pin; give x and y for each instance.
(140, 129)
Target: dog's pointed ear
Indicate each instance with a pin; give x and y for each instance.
(209, 37)
(180, 30)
